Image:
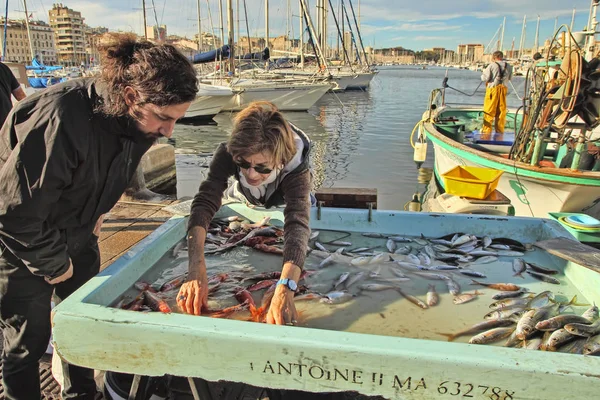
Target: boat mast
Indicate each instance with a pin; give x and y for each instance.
(502, 37)
(311, 29)
(266, 23)
(572, 19)
(221, 28)
(5, 30)
(145, 23)
(230, 35)
(301, 35)
(199, 29)
(523, 32)
(29, 32)
(537, 36)
(591, 41)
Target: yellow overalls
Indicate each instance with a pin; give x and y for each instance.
(494, 107)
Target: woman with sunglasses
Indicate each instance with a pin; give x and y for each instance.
(269, 160)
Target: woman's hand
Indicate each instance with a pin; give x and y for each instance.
(282, 310)
(193, 294)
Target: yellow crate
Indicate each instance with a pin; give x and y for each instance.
(473, 182)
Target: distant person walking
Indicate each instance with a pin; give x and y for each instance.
(496, 75)
(8, 85)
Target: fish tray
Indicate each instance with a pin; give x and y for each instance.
(87, 332)
(472, 182)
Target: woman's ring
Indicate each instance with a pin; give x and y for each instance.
(181, 298)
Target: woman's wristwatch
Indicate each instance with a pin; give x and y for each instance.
(289, 283)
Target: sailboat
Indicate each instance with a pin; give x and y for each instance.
(550, 151)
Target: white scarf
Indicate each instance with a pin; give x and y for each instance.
(259, 191)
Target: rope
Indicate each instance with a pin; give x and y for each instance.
(461, 92)
(516, 92)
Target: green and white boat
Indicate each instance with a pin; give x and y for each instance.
(549, 153)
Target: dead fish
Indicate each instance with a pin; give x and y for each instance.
(321, 247)
(314, 235)
(421, 241)
(376, 287)
(443, 268)
(532, 344)
(400, 239)
(341, 279)
(544, 277)
(424, 259)
(584, 330)
(509, 302)
(391, 245)
(592, 346)
(541, 299)
(479, 252)
(379, 258)
(487, 241)
(470, 272)
(328, 261)
(540, 269)
(499, 246)
(397, 272)
(510, 253)
(453, 286)
(526, 325)
(412, 299)
(376, 272)
(339, 243)
(431, 276)
(506, 287)
(354, 278)
(465, 297)
(404, 250)
(505, 312)
(510, 294)
(373, 235)
(485, 260)
(461, 240)
(576, 346)
(560, 321)
(518, 266)
(591, 314)
(432, 297)
(558, 338)
(493, 335)
(481, 326)
(392, 280)
(338, 297)
(413, 259)
(361, 249)
(360, 261)
(307, 296)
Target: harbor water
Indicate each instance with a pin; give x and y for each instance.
(360, 138)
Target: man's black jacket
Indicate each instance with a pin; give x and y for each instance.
(62, 165)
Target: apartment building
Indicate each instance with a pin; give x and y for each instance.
(17, 42)
(68, 28)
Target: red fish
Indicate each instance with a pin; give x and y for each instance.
(173, 283)
(268, 249)
(264, 284)
(156, 303)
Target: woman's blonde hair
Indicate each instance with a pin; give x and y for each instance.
(262, 128)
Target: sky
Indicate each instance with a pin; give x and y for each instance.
(415, 25)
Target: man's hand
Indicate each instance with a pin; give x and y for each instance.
(98, 227)
(68, 274)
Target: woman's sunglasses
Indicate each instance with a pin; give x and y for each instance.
(258, 168)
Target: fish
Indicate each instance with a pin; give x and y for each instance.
(314, 235)
(443, 268)
(440, 247)
(400, 239)
(510, 253)
(461, 240)
(354, 278)
(541, 299)
(431, 276)
(376, 272)
(328, 261)
(584, 330)
(341, 279)
(591, 314)
(155, 302)
(558, 338)
(321, 247)
(397, 272)
(506, 312)
(493, 335)
(173, 283)
(499, 246)
(338, 297)
(421, 241)
(429, 251)
(178, 247)
(453, 286)
(544, 277)
(373, 235)
(485, 260)
(487, 241)
(379, 258)
(339, 243)
(424, 259)
(592, 346)
(264, 284)
(526, 325)
(481, 253)
(404, 250)
(560, 321)
(576, 346)
(465, 297)
(540, 269)
(470, 272)
(392, 280)
(391, 245)
(413, 259)
(308, 296)
(506, 287)
(432, 297)
(481, 326)
(519, 266)
(375, 287)
(532, 344)
(510, 294)
(412, 299)
(361, 249)
(360, 261)
(509, 303)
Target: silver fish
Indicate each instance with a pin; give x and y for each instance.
(576, 346)
(482, 253)
(429, 251)
(453, 286)
(544, 277)
(461, 240)
(518, 266)
(469, 272)
(391, 245)
(591, 314)
(541, 299)
(558, 338)
(440, 247)
(361, 249)
(505, 312)
(404, 250)
(376, 272)
(400, 239)
(510, 302)
(465, 297)
(421, 241)
(526, 325)
(397, 272)
(321, 247)
(485, 260)
(337, 297)
(510, 294)
(532, 344)
(424, 258)
(499, 246)
(328, 261)
(487, 241)
(510, 253)
(413, 259)
(481, 326)
(432, 297)
(373, 235)
(592, 346)
(375, 287)
(340, 243)
(493, 335)
(341, 279)
(584, 329)
(443, 268)
(314, 235)
(540, 269)
(360, 261)
(413, 299)
(560, 321)
(379, 258)
(354, 278)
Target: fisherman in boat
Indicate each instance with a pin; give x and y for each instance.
(496, 76)
(269, 160)
(66, 155)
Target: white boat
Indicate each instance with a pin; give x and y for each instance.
(209, 101)
(342, 79)
(285, 96)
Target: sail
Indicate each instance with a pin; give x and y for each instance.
(213, 55)
(39, 67)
